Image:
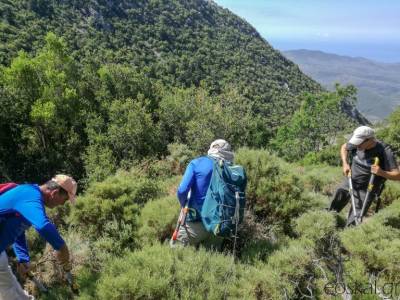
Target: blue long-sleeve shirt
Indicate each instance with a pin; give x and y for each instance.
(20, 208)
(196, 178)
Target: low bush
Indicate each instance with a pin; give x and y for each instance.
(377, 245)
(274, 192)
(329, 155)
(320, 179)
(257, 240)
(290, 272)
(158, 272)
(118, 198)
(157, 220)
(390, 194)
(317, 226)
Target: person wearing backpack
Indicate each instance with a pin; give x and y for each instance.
(363, 158)
(22, 206)
(196, 180)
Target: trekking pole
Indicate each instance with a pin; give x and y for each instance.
(37, 283)
(181, 219)
(379, 200)
(353, 201)
(71, 282)
(369, 190)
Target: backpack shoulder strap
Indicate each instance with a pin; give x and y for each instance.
(350, 155)
(4, 187)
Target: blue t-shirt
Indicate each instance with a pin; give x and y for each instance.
(197, 178)
(20, 208)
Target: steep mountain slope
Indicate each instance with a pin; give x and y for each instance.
(182, 42)
(378, 83)
(129, 78)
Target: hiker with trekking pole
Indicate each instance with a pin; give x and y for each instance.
(211, 195)
(367, 163)
(22, 206)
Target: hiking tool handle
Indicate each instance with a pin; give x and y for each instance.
(182, 218)
(371, 180)
(353, 201)
(369, 189)
(181, 222)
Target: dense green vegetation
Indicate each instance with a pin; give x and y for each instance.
(122, 94)
(288, 244)
(90, 87)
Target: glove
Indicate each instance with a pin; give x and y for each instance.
(23, 269)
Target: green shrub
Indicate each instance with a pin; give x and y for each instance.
(316, 225)
(36, 243)
(391, 133)
(355, 272)
(86, 279)
(257, 240)
(118, 198)
(274, 191)
(158, 272)
(117, 236)
(390, 216)
(390, 193)
(180, 155)
(157, 220)
(377, 245)
(289, 271)
(329, 155)
(257, 250)
(320, 179)
(157, 169)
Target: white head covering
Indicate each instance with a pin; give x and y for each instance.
(221, 149)
(361, 134)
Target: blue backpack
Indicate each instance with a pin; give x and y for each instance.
(225, 201)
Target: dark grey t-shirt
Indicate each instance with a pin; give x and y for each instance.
(362, 160)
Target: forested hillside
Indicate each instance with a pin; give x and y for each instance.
(123, 94)
(181, 42)
(117, 81)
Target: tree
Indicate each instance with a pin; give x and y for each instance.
(46, 113)
(316, 124)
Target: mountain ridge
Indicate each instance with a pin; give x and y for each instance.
(378, 83)
(182, 42)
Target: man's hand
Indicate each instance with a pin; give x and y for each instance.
(346, 169)
(375, 169)
(23, 269)
(62, 256)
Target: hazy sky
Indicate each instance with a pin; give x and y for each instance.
(369, 28)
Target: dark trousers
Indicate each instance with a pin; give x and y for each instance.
(342, 197)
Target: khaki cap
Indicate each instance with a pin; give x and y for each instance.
(68, 184)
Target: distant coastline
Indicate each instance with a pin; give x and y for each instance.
(378, 83)
(384, 52)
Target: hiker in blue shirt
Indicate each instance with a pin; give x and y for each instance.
(196, 179)
(22, 206)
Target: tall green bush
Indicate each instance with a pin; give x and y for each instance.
(157, 220)
(316, 124)
(274, 191)
(116, 199)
